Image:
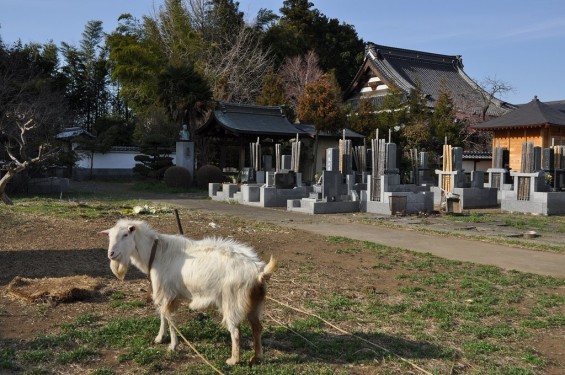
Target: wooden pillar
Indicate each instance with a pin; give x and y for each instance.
(222, 158)
(241, 154)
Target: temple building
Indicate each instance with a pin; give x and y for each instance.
(231, 127)
(543, 124)
(386, 66)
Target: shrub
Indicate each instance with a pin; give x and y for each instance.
(177, 177)
(207, 174)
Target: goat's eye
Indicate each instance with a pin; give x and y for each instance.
(125, 235)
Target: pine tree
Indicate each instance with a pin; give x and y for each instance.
(443, 121)
(417, 132)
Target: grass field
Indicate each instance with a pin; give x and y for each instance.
(401, 310)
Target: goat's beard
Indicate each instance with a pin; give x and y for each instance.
(119, 269)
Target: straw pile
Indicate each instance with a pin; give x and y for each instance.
(53, 290)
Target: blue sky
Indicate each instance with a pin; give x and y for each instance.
(521, 42)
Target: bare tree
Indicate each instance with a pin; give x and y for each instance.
(297, 72)
(476, 109)
(24, 137)
(491, 89)
(237, 72)
(30, 110)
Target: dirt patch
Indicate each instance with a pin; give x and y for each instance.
(311, 269)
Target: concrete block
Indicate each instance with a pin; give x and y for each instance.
(250, 193)
(477, 198)
(213, 188)
(229, 190)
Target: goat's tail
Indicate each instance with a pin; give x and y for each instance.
(269, 269)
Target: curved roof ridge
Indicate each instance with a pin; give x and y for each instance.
(420, 55)
(250, 108)
(535, 113)
(389, 71)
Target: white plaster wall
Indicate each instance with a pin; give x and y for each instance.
(481, 165)
(110, 160)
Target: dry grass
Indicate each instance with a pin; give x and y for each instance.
(53, 290)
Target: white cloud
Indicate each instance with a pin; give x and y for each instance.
(540, 30)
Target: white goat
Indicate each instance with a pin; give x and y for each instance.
(210, 272)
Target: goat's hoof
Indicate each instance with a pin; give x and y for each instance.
(158, 340)
(172, 348)
(254, 361)
(232, 361)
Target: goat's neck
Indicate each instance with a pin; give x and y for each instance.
(143, 245)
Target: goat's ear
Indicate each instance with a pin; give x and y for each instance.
(131, 228)
(104, 232)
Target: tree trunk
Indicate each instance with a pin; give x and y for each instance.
(6, 199)
(3, 184)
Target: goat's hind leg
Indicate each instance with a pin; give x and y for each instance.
(234, 332)
(257, 329)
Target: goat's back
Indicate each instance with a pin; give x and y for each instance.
(211, 265)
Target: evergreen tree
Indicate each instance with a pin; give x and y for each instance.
(136, 63)
(272, 92)
(173, 33)
(392, 112)
(417, 132)
(418, 110)
(223, 18)
(302, 28)
(183, 93)
(364, 119)
(87, 74)
(321, 106)
(443, 121)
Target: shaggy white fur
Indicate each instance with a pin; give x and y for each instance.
(213, 272)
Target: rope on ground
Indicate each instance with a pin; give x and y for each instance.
(193, 348)
(351, 334)
(291, 330)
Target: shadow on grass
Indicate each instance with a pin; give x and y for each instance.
(344, 349)
(57, 263)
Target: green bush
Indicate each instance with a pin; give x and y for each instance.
(177, 177)
(208, 174)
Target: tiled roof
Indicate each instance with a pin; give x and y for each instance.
(477, 155)
(557, 104)
(409, 68)
(311, 130)
(244, 119)
(533, 114)
(69, 133)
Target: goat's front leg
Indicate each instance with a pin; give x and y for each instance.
(234, 331)
(167, 311)
(173, 333)
(161, 334)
